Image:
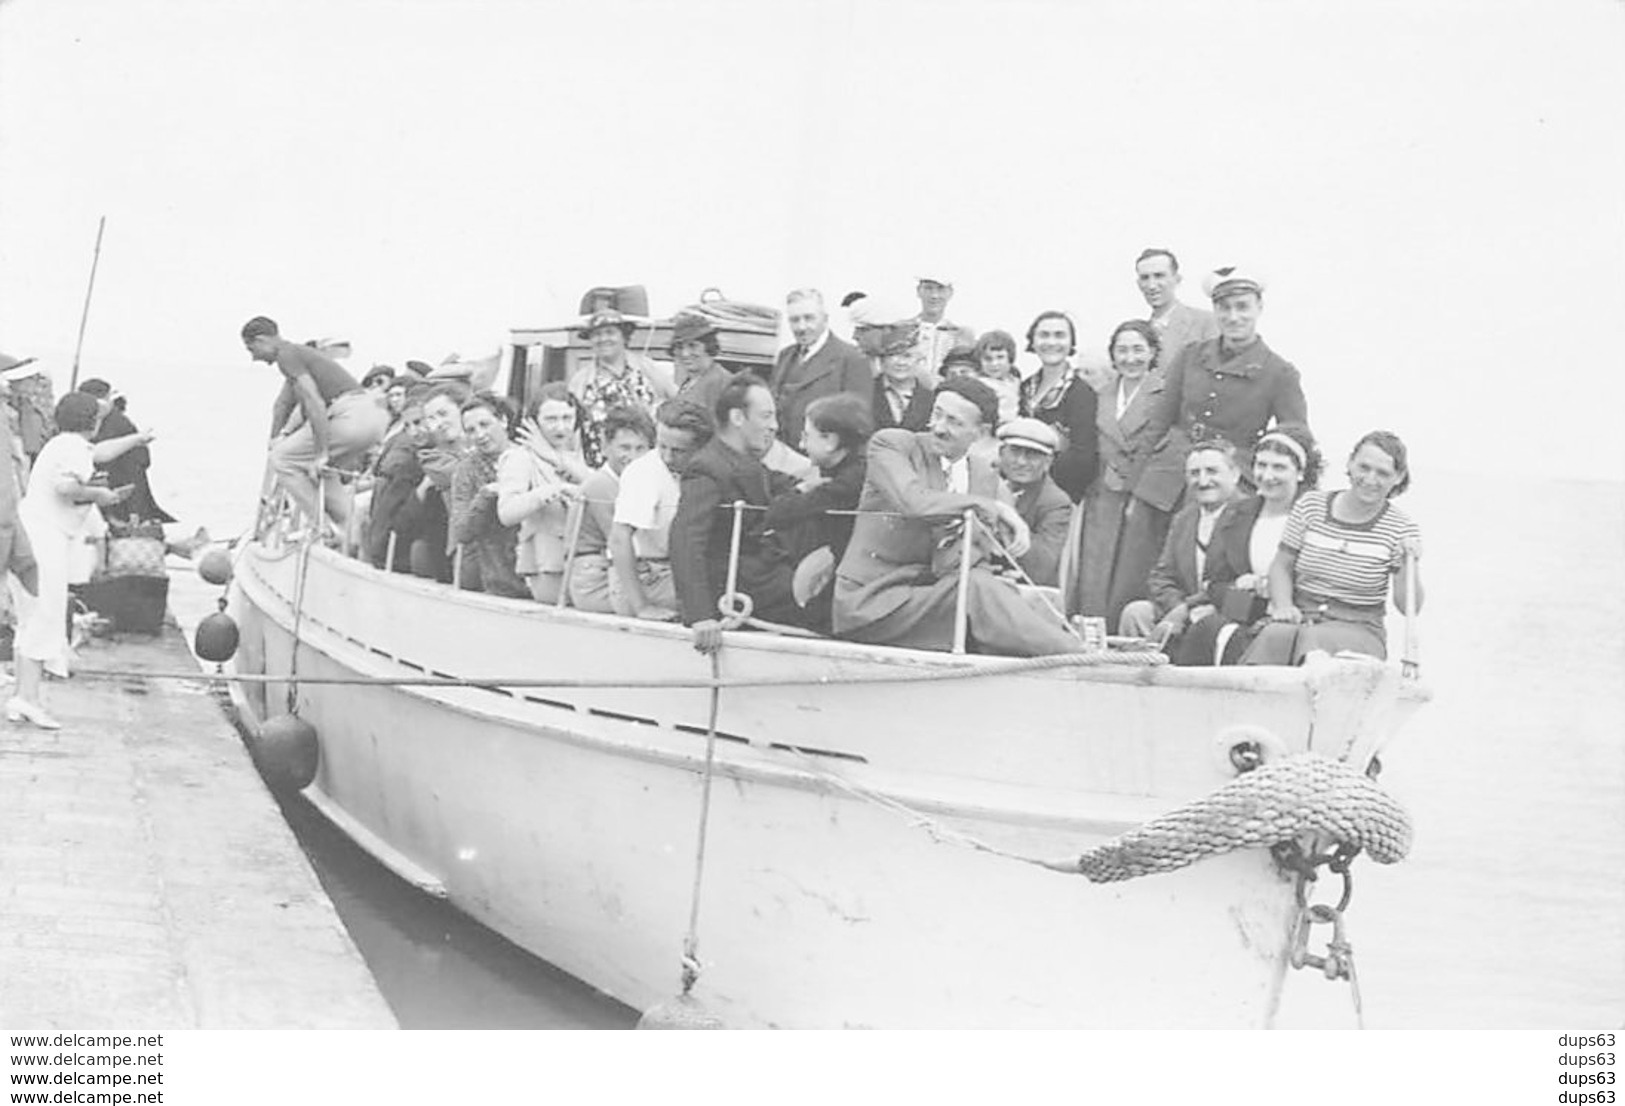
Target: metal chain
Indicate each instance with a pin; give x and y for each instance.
(1304, 862)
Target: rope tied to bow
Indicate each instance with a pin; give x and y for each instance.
(1278, 802)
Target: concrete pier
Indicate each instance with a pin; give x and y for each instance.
(147, 879)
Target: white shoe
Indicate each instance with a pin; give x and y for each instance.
(20, 710)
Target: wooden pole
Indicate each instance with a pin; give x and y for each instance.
(84, 316)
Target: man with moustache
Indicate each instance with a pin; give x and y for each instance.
(818, 364)
(1156, 271)
(726, 470)
(1211, 478)
(898, 582)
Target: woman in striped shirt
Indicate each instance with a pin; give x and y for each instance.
(1330, 581)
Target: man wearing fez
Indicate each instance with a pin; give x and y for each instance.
(340, 423)
(1026, 448)
(1156, 271)
(898, 583)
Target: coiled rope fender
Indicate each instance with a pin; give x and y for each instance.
(1305, 793)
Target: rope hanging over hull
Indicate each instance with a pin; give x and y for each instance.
(1278, 802)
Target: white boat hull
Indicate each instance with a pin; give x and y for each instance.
(566, 818)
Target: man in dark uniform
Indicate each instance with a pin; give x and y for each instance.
(1232, 386)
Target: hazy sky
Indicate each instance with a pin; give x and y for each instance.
(1432, 187)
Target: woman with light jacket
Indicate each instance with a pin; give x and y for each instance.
(537, 480)
(1125, 516)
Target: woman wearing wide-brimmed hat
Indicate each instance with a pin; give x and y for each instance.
(617, 377)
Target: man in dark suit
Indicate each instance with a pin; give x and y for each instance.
(898, 583)
(901, 398)
(728, 469)
(818, 364)
(1211, 477)
(1026, 448)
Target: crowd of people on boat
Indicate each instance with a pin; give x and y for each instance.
(910, 487)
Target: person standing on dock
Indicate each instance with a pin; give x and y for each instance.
(341, 421)
(16, 554)
(54, 512)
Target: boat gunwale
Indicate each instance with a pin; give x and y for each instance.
(1269, 679)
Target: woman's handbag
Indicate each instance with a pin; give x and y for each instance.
(131, 589)
(134, 549)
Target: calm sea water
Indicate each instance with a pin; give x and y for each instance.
(1510, 912)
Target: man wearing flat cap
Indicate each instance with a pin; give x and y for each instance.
(898, 582)
(694, 349)
(817, 364)
(1026, 449)
(1232, 386)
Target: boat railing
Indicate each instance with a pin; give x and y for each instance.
(736, 608)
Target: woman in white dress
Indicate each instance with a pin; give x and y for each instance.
(55, 512)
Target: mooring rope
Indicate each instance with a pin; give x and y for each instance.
(1302, 793)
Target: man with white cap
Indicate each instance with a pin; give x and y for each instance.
(1156, 271)
(1026, 449)
(1232, 386)
(937, 335)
